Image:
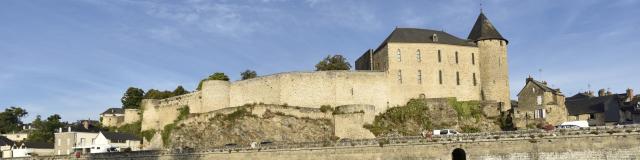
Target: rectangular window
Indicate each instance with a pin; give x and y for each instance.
(418, 56)
(473, 58)
(539, 100)
(400, 76)
(474, 80)
(399, 56)
(458, 78)
(440, 76)
(456, 57)
(82, 141)
(439, 57)
(419, 76)
(592, 116)
(540, 113)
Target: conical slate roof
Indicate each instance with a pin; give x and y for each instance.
(483, 29)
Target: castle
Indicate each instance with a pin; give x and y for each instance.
(410, 63)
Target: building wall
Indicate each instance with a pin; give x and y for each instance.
(112, 120)
(495, 71)
(16, 137)
(65, 141)
(556, 111)
(598, 119)
(429, 66)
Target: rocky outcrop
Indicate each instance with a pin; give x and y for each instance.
(243, 127)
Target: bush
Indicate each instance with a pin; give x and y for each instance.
(326, 108)
(466, 109)
(470, 129)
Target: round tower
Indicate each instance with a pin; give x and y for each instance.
(215, 95)
(494, 69)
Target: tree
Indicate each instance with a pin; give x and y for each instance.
(216, 76)
(335, 62)
(132, 98)
(179, 91)
(10, 119)
(248, 74)
(157, 94)
(45, 129)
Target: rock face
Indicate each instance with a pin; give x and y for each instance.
(439, 113)
(242, 128)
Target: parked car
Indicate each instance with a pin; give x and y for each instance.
(574, 124)
(445, 132)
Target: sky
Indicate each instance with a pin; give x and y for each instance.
(77, 57)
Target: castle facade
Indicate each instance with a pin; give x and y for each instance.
(410, 63)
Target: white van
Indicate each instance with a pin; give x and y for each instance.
(445, 132)
(574, 124)
(102, 149)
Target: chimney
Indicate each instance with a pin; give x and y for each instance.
(601, 93)
(529, 79)
(85, 124)
(629, 95)
(589, 93)
(69, 129)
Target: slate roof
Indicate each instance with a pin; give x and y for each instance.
(113, 111)
(417, 35)
(578, 106)
(483, 29)
(543, 86)
(39, 145)
(4, 141)
(119, 137)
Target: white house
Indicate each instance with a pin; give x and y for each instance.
(28, 149)
(114, 140)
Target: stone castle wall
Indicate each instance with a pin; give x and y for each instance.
(420, 73)
(131, 116)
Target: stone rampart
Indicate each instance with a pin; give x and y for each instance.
(131, 116)
(589, 143)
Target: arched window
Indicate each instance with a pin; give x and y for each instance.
(458, 154)
(418, 56)
(434, 37)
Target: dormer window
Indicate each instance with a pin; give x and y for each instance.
(434, 37)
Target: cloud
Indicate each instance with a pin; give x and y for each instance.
(165, 34)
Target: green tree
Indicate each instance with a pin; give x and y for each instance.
(179, 91)
(10, 119)
(45, 129)
(157, 94)
(335, 62)
(248, 74)
(132, 98)
(216, 76)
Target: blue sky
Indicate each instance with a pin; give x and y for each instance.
(76, 57)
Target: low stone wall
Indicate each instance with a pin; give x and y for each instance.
(590, 143)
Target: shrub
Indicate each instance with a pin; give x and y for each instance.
(469, 129)
(326, 108)
(382, 142)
